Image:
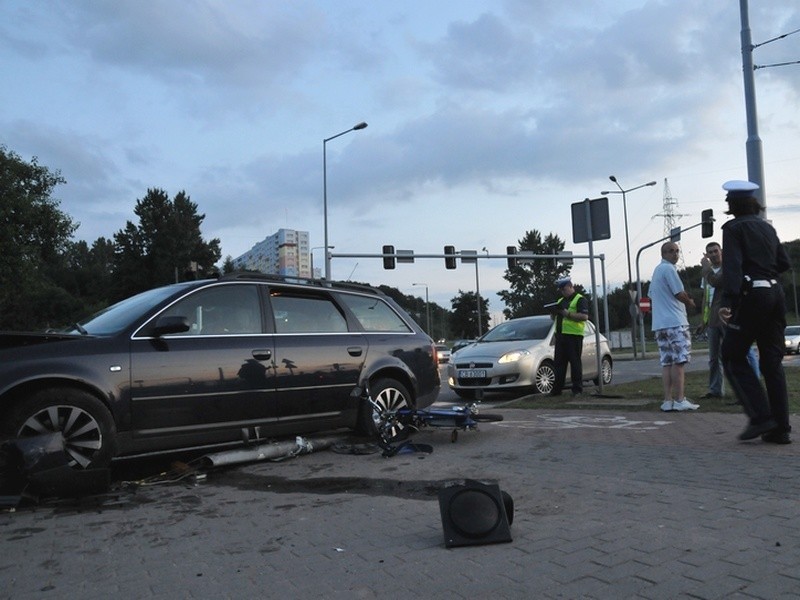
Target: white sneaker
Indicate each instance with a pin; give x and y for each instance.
(667, 406)
(684, 405)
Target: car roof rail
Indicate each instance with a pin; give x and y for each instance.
(258, 275)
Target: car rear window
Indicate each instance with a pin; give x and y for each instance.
(374, 314)
(306, 314)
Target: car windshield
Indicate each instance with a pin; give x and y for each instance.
(121, 315)
(523, 329)
(793, 330)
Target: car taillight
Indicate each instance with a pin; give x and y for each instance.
(435, 355)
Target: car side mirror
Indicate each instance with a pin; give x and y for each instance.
(171, 324)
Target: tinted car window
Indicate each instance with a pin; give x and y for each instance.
(374, 314)
(121, 315)
(791, 330)
(220, 310)
(306, 314)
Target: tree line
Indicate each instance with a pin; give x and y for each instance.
(48, 279)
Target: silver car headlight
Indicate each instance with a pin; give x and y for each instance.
(513, 356)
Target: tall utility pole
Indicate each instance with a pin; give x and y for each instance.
(755, 157)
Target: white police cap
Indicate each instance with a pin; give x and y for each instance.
(563, 281)
(737, 188)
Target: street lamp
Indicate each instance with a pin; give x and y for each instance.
(631, 290)
(427, 306)
(361, 125)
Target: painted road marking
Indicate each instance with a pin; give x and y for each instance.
(556, 421)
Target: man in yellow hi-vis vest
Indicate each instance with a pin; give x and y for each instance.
(570, 314)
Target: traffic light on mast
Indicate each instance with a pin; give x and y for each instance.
(707, 218)
(512, 260)
(450, 257)
(388, 261)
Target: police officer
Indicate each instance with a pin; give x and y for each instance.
(754, 307)
(570, 314)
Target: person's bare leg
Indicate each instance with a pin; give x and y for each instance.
(678, 382)
(666, 377)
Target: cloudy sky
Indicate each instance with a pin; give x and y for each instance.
(487, 119)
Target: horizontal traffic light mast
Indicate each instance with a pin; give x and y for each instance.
(392, 256)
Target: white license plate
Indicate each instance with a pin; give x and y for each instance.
(472, 374)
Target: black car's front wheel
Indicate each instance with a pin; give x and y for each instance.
(84, 422)
(379, 418)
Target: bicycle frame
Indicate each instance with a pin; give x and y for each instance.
(394, 423)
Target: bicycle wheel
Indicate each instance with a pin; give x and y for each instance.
(487, 417)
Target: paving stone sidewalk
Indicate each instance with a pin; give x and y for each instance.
(607, 505)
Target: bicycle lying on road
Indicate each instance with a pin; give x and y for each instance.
(395, 425)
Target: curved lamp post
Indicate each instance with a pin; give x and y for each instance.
(631, 289)
(361, 125)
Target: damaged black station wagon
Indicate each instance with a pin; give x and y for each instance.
(213, 363)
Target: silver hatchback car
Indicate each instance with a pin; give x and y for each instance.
(517, 355)
(792, 339)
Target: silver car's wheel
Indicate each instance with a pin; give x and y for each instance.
(607, 370)
(545, 377)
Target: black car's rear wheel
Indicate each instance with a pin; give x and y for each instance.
(379, 419)
(86, 425)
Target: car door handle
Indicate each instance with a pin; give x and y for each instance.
(262, 354)
(355, 350)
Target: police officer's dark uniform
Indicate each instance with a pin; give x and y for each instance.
(570, 313)
(751, 263)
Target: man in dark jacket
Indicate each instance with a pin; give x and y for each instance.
(754, 307)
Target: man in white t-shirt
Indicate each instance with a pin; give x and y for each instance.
(671, 327)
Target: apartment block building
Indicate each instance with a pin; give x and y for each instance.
(285, 252)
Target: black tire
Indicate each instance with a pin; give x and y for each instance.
(465, 394)
(390, 395)
(85, 423)
(606, 370)
(487, 418)
(545, 377)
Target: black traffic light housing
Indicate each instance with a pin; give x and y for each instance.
(707, 218)
(450, 257)
(512, 260)
(388, 261)
(475, 513)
